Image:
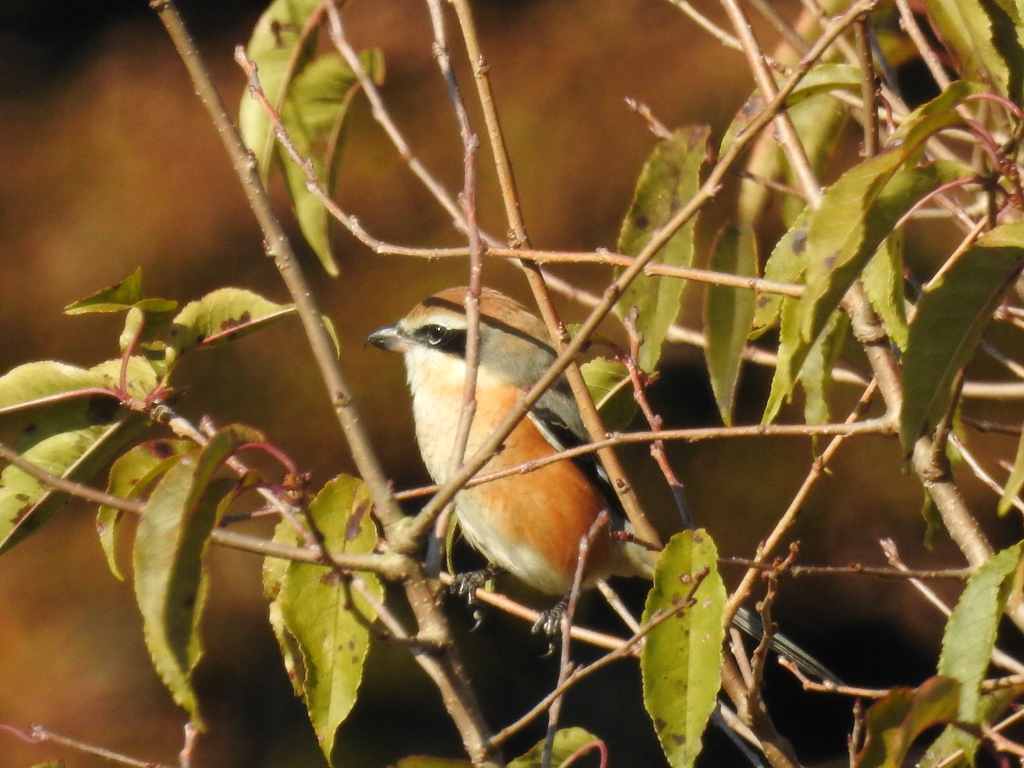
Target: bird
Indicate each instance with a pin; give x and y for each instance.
(531, 524)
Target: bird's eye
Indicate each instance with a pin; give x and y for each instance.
(434, 334)
(449, 340)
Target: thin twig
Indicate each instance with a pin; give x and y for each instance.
(565, 665)
(41, 734)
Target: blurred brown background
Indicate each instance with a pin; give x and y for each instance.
(109, 162)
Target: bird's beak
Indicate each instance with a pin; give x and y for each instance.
(391, 337)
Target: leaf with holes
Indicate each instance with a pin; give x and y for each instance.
(326, 615)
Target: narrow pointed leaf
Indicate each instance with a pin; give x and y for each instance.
(131, 476)
(119, 298)
(169, 554)
(791, 355)
(669, 179)
(1015, 482)
(883, 284)
(729, 314)
(326, 616)
(816, 373)
(280, 49)
(567, 742)
(970, 632)
(950, 319)
(984, 37)
(314, 115)
(893, 722)
(274, 570)
(787, 264)
(681, 659)
(857, 213)
(170, 579)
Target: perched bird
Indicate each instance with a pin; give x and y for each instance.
(527, 524)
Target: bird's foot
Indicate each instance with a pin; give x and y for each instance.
(465, 585)
(549, 624)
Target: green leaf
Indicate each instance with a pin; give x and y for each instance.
(787, 369)
(857, 213)
(120, 297)
(169, 555)
(140, 377)
(951, 318)
(222, 316)
(312, 96)
(38, 383)
(669, 179)
(953, 739)
(787, 264)
(682, 656)
(130, 477)
(280, 49)
(1015, 481)
(612, 391)
(883, 284)
(326, 616)
(729, 314)
(314, 114)
(819, 81)
(984, 37)
(816, 373)
(819, 122)
(893, 722)
(568, 741)
(147, 330)
(970, 632)
(73, 440)
(274, 570)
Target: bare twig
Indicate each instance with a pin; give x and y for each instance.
(41, 734)
(565, 665)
